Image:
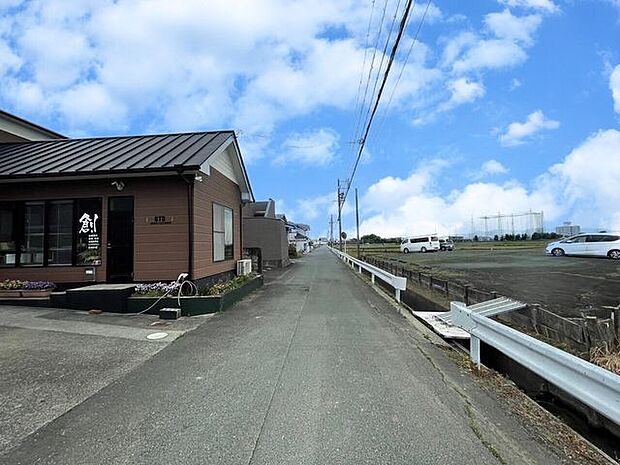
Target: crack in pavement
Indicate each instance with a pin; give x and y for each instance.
(280, 372)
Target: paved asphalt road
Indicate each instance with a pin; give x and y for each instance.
(314, 368)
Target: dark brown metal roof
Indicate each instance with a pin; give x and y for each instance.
(112, 155)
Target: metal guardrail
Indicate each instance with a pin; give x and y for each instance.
(488, 308)
(594, 386)
(397, 282)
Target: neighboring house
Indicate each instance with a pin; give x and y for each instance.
(298, 235)
(122, 209)
(264, 232)
(15, 129)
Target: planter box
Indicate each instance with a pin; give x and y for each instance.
(10, 293)
(197, 305)
(36, 292)
(17, 293)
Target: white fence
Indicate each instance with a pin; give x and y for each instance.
(397, 282)
(594, 386)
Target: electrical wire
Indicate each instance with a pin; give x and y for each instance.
(372, 62)
(402, 70)
(385, 48)
(359, 87)
(399, 36)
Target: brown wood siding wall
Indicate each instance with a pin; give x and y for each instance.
(160, 251)
(219, 189)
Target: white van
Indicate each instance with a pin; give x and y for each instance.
(420, 244)
(591, 245)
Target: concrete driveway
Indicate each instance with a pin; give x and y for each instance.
(52, 360)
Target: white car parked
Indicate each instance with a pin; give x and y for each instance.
(420, 244)
(586, 244)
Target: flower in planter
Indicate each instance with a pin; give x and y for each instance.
(223, 288)
(156, 289)
(11, 284)
(38, 285)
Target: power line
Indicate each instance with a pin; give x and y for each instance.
(402, 70)
(399, 36)
(359, 87)
(385, 48)
(360, 123)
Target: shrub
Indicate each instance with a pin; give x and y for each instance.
(292, 251)
(223, 288)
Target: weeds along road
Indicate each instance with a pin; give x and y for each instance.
(314, 368)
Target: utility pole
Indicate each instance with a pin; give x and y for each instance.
(341, 192)
(331, 229)
(357, 223)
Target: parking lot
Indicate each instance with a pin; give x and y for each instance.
(52, 360)
(565, 285)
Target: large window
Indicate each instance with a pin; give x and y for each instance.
(223, 233)
(60, 233)
(8, 250)
(34, 229)
(52, 232)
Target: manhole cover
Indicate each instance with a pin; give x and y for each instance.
(155, 336)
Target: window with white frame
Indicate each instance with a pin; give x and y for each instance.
(223, 245)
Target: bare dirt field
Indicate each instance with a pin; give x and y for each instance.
(566, 285)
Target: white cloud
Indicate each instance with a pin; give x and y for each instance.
(583, 188)
(188, 65)
(589, 178)
(491, 54)
(543, 5)
(465, 91)
(614, 85)
(251, 67)
(462, 91)
(518, 132)
(514, 84)
(505, 25)
(492, 167)
(316, 148)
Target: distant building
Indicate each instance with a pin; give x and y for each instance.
(298, 235)
(265, 234)
(568, 229)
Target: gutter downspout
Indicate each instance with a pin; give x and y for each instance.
(190, 223)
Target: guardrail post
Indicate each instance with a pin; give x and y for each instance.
(474, 350)
(397, 295)
(360, 269)
(372, 278)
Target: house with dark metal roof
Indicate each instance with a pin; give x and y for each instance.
(15, 129)
(265, 235)
(122, 209)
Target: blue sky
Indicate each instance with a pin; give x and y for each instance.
(503, 106)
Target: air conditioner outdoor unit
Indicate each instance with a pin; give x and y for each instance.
(244, 267)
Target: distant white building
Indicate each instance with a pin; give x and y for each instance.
(298, 235)
(568, 229)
